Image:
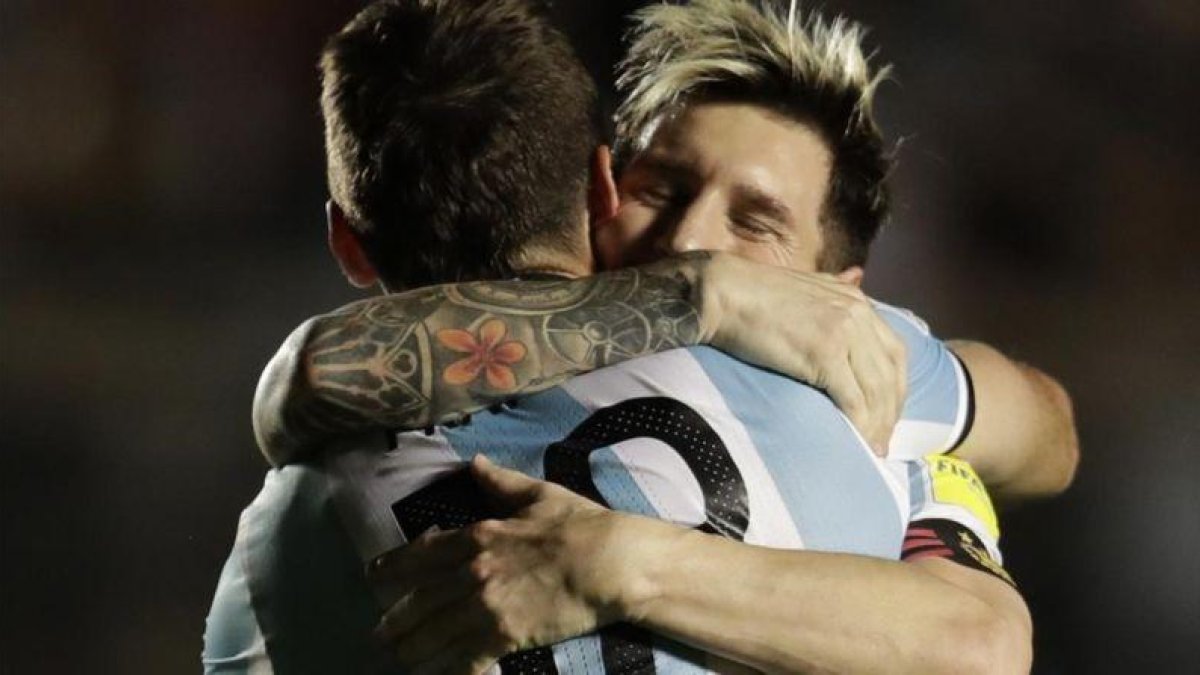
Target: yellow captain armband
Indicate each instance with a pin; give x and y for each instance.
(955, 483)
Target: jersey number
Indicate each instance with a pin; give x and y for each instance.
(455, 501)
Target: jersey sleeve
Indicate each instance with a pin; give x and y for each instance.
(311, 599)
(940, 403)
(952, 516)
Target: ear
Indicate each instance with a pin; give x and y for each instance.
(851, 275)
(602, 187)
(347, 249)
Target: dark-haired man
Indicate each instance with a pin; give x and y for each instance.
(416, 357)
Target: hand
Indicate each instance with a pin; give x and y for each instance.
(470, 596)
(816, 329)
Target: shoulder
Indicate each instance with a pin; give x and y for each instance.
(294, 494)
(304, 576)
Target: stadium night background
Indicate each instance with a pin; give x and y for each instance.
(161, 230)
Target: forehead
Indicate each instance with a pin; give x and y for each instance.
(740, 144)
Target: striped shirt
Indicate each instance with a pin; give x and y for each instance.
(690, 436)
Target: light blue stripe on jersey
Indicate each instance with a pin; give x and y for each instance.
(232, 641)
(517, 438)
(622, 493)
(835, 493)
(617, 486)
(933, 385)
(580, 655)
(306, 580)
(918, 485)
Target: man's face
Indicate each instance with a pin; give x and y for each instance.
(721, 177)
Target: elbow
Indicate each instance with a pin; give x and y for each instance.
(1004, 647)
(979, 639)
(281, 388)
(997, 643)
(1067, 437)
(1070, 463)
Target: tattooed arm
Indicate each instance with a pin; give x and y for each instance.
(428, 356)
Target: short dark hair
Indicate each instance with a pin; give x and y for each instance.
(457, 132)
(762, 53)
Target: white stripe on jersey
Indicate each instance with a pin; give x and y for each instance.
(665, 479)
(366, 482)
(930, 437)
(676, 374)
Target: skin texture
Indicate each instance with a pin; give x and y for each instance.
(461, 347)
(1023, 442)
(722, 177)
(430, 356)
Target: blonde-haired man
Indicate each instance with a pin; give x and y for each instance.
(747, 127)
(747, 130)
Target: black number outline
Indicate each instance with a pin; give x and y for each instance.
(454, 501)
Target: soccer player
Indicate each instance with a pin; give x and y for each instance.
(484, 355)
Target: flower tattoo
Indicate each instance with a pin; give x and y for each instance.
(489, 353)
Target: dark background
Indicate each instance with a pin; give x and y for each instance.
(161, 220)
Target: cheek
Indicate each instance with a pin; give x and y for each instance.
(621, 240)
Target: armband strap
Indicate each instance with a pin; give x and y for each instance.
(939, 538)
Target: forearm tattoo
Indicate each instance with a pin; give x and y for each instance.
(429, 356)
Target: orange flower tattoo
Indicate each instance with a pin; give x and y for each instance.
(489, 354)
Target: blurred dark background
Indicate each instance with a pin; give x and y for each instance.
(161, 230)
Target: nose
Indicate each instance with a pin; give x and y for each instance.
(697, 227)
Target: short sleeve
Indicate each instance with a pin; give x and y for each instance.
(939, 407)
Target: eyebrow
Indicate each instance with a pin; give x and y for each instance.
(668, 166)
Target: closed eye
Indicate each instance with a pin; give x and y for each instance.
(759, 214)
(754, 227)
(654, 193)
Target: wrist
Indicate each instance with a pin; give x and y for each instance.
(639, 553)
(706, 292)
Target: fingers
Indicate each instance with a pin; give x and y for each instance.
(872, 358)
(458, 637)
(858, 360)
(896, 366)
(872, 371)
(512, 488)
(459, 627)
(453, 662)
(844, 387)
(434, 594)
(431, 553)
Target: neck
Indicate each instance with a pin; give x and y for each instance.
(552, 263)
(542, 271)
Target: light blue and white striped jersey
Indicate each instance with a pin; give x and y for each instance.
(690, 436)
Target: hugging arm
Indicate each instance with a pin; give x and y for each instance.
(1023, 441)
(563, 566)
(431, 355)
(428, 356)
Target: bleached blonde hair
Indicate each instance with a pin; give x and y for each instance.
(769, 54)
